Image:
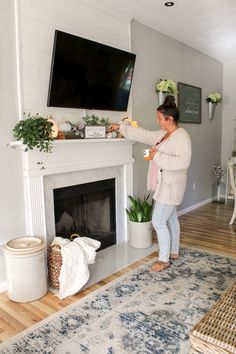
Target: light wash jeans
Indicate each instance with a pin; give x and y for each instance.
(166, 224)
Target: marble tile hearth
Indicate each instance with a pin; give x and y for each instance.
(115, 258)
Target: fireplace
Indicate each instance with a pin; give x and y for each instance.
(77, 162)
(87, 209)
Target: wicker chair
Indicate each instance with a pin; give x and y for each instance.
(216, 332)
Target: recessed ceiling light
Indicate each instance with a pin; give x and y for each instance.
(169, 3)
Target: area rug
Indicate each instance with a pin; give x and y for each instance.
(140, 312)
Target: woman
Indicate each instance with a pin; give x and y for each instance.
(167, 175)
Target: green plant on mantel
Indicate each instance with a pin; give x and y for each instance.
(35, 132)
(92, 119)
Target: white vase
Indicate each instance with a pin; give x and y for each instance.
(161, 97)
(219, 192)
(211, 110)
(140, 234)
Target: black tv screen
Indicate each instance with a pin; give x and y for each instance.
(87, 74)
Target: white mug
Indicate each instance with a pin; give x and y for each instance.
(146, 154)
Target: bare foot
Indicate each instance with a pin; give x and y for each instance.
(174, 256)
(159, 266)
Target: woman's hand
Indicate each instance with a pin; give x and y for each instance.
(153, 152)
(113, 127)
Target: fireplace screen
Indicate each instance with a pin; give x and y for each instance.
(87, 209)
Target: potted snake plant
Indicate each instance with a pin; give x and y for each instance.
(140, 225)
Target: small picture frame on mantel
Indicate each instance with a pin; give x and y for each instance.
(95, 132)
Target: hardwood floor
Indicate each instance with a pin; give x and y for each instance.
(208, 228)
(204, 228)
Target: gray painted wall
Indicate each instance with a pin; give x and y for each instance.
(229, 114)
(159, 56)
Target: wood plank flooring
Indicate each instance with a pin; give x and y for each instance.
(208, 228)
(204, 228)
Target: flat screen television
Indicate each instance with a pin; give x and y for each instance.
(87, 74)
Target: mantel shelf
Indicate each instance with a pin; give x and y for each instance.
(69, 155)
(74, 162)
(80, 141)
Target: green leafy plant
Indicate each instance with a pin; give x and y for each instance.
(214, 98)
(167, 86)
(35, 132)
(140, 209)
(95, 120)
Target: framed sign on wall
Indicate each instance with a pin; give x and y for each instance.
(189, 103)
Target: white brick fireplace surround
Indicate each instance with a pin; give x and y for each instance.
(73, 162)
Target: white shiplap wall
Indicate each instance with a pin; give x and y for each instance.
(39, 19)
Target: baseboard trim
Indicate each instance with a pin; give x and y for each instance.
(194, 206)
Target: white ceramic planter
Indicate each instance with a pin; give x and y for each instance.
(140, 234)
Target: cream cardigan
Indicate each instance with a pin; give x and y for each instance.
(172, 158)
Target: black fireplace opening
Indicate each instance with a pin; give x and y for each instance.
(87, 209)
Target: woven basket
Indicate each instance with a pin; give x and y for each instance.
(55, 263)
(216, 332)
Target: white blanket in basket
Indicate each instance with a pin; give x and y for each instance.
(76, 255)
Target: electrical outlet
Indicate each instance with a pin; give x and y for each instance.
(194, 186)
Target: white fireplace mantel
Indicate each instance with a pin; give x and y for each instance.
(75, 156)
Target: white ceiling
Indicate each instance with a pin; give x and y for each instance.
(206, 25)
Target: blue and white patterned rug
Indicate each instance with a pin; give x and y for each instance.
(141, 312)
